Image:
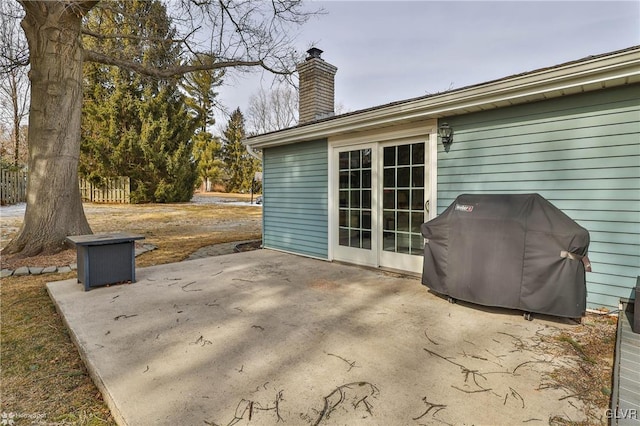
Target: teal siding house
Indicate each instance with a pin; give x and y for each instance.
(296, 216)
(356, 187)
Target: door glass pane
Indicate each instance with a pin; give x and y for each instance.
(390, 156)
(343, 218)
(389, 178)
(417, 245)
(403, 221)
(417, 152)
(355, 179)
(417, 176)
(403, 198)
(403, 243)
(366, 240)
(417, 219)
(344, 180)
(389, 220)
(355, 219)
(404, 154)
(389, 199)
(366, 178)
(366, 158)
(355, 239)
(366, 199)
(389, 241)
(355, 199)
(366, 219)
(355, 160)
(417, 199)
(404, 176)
(343, 236)
(344, 160)
(344, 198)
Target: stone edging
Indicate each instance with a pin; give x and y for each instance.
(38, 270)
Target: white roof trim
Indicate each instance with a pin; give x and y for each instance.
(590, 74)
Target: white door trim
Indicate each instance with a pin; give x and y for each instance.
(424, 131)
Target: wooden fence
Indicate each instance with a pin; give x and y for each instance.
(13, 187)
(114, 190)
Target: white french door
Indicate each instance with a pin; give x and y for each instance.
(404, 205)
(381, 192)
(355, 239)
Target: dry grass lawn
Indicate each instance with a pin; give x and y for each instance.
(589, 351)
(43, 376)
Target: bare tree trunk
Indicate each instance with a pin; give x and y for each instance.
(16, 118)
(54, 207)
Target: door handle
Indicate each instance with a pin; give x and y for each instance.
(426, 206)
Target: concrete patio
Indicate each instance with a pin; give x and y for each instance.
(263, 337)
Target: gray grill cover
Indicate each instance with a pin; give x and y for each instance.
(514, 251)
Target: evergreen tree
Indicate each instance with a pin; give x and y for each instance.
(200, 87)
(207, 151)
(241, 167)
(247, 33)
(137, 126)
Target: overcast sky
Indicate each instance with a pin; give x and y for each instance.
(387, 51)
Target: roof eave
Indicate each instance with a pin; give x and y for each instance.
(591, 74)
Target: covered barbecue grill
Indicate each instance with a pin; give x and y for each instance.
(508, 250)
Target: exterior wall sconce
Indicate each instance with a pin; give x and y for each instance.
(446, 133)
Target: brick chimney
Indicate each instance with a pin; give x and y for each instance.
(316, 92)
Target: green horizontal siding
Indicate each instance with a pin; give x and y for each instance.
(581, 152)
(295, 209)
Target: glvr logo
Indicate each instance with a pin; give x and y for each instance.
(464, 208)
(622, 413)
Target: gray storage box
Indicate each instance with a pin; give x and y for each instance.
(105, 258)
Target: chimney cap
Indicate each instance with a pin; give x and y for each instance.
(314, 52)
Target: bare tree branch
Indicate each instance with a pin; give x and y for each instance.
(14, 52)
(163, 73)
(103, 36)
(14, 84)
(243, 34)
